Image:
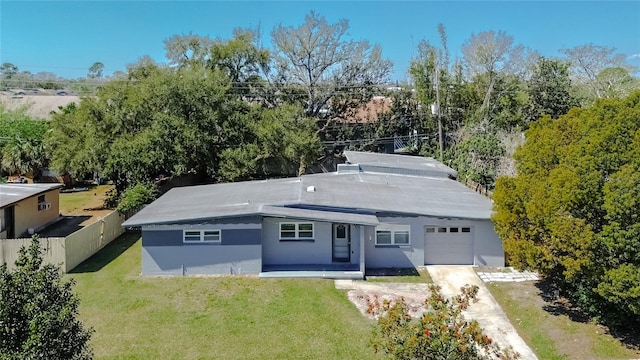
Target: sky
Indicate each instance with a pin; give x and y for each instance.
(67, 37)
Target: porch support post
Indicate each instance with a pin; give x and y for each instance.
(362, 267)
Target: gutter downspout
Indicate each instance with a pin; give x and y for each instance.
(362, 267)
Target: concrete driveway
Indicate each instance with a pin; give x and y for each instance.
(486, 311)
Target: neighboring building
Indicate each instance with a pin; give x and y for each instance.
(27, 208)
(376, 211)
(371, 111)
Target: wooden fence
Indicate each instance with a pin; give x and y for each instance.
(70, 251)
(479, 188)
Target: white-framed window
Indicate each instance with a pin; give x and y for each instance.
(393, 234)
(201, 236)
(42, 203)
(296, 231)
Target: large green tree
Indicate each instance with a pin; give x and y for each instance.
(39, 311)
(160, 121)
(192, 118)
(281, 142)
(549, 89)
(571, 212)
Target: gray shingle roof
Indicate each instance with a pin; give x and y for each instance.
(360, 195)
(399, 164)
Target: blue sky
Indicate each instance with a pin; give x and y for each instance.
(67, 37)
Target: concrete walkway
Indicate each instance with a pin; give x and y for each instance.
(509, 274)
(486, 311)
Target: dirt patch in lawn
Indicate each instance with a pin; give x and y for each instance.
(553, 328)
(369, 297)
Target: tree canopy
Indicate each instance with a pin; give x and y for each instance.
(211, 95)
(571, 212)
(38, 311)
(22, 148)
(189, 119)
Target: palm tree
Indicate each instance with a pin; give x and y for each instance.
(21, 156)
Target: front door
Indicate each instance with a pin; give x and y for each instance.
(341, 243)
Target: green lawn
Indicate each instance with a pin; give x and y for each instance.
(75, 202)
(554, 336)
(216, 317)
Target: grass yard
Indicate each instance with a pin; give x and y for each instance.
(137, 317)
(553, 334)
(75, 202)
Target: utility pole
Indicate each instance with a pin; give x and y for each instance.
(437, 113)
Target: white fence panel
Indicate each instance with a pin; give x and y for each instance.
(53, 253)
(68, 252)
(87, 241)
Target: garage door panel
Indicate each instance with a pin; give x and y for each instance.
(448, 248)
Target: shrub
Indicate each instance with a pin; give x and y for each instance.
(135, 197)
(441, 332)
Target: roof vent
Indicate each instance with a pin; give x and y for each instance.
(311, 188)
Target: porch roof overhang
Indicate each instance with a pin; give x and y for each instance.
(265, 210)
(320, 215)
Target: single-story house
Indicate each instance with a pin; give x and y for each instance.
(27, 208)
(375, 211)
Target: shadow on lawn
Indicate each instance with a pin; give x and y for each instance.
(392, 272)
(558, 305)
(108, 253)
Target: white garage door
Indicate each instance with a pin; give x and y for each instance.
(452, 245)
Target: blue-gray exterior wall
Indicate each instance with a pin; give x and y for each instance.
(487, 246)
(411, 255)
(248, 243)
(318, 251)
(239, 252)
(201, 260)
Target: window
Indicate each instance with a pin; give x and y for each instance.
(3, 221)
(202, 236)
(42, 203)
(433, 229)
(296, 231)
(392, 234)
